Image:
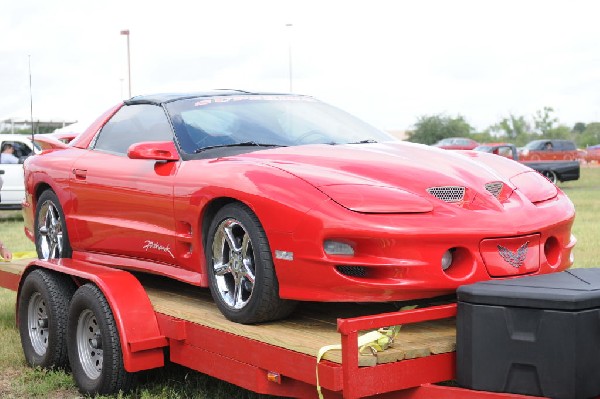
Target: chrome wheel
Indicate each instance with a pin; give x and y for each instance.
(89, 344)
(37, 323)
(50, 231)
(233, 263)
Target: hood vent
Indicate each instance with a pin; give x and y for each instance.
(448, 193)
(495, 188)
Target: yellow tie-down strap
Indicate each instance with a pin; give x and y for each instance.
(369, 343)
(21, 255)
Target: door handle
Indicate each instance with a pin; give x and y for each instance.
(80, 174)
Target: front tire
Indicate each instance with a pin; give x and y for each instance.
(51, 236)
(241, 273)
(43, 312)
(94, 345)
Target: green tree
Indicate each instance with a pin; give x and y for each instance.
(579, 127)
(590, 136)
(512, 126)
(544, 121)
(430, 129)
(558, 132)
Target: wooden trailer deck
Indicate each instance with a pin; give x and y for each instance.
(309, 328)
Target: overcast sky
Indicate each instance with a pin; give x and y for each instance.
(388, 62)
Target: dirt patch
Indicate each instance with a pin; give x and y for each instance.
(7, 378)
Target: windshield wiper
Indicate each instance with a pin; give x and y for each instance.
(242, 144)
(367, 141)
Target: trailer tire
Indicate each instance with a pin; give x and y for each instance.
(43, 309)
(94, 345)
(241, 272)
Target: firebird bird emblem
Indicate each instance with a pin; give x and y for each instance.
(158, 247)
(515, 259)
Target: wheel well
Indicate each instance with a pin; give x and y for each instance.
(210, 211)
(39, 190)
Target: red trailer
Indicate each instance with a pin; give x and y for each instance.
(113, 324)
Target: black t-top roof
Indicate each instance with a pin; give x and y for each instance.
(162, 98)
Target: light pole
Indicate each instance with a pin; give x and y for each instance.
(290, 52)
(126, 33)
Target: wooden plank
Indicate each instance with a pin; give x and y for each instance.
(311, 327)
(15, 266)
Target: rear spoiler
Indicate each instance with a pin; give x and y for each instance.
(54, 141)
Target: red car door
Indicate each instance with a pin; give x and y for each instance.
(124, 206)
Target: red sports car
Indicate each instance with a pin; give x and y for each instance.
(270, 199)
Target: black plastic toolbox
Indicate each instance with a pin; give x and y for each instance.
(536, 335)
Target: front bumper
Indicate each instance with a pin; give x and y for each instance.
(398, 256)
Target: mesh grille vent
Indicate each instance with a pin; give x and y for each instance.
(495, 188)
(448, 193)
(353, 271)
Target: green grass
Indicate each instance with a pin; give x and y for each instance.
(585, 194)
(176, 382)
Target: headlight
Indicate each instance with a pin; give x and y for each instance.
(534, 186)
(376, 199)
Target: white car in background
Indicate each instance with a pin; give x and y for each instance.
(13, 189)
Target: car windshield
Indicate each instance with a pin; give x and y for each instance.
(484, 148)
(534, 145)
(265, 120)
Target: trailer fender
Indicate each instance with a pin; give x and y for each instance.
(141, 341)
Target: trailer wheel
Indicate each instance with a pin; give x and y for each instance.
(241, 274)
(51, 236)
(43, 311)
(94, 345)
(550, 175)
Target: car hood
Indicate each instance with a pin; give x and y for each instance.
(402, 171)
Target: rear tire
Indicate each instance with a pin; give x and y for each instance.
(43, 311)
(94, 345)
(51, 236)
(550, 175)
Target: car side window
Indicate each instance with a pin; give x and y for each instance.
(19, 150)
(133, 124)
(566, 146)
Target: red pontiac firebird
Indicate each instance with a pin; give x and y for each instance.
(272, 199)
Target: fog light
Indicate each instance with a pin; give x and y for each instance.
(447, 259)
(338, 248)
(572, 257)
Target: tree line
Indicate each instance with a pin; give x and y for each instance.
(516, 129)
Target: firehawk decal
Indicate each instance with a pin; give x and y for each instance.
(515, 259)
(154, 245)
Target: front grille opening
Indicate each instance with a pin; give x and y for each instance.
(448, 193)
(352, 271)
(495, 188)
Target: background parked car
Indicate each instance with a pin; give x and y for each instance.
(592, 153)
(549, 150)
(456, 143)
(553, 170)
(13, 189)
